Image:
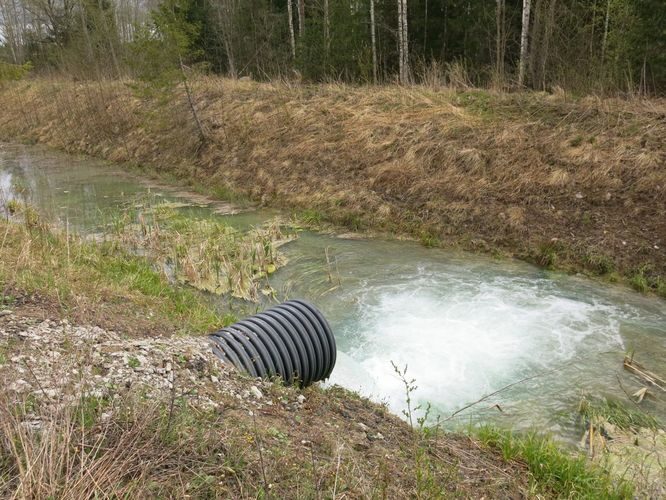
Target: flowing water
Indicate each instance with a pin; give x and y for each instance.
(465, 325)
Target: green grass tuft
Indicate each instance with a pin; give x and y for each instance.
(548, 255)
(310, 217)
(429, 240)
(617, 413)
(553, 470)
(229, 319)
(599, 263)
(639, 282)
(133, 362)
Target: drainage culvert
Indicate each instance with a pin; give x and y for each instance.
(292, 340)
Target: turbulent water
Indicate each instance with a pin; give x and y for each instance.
(465, 326)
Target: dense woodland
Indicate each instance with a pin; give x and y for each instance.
(602, 46)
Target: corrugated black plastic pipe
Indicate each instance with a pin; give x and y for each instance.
(292, 340)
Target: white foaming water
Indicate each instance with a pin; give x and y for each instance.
(464, 338)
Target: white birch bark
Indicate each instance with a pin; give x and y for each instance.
(8, 28)
(401, 58)
(292, 36)
(301, 17)
(405, 41)
(373, 39)
(524, 36)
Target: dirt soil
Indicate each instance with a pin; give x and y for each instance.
(111, 315)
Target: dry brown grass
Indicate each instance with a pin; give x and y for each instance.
(480, 169)
(67, 458)
(168, 447)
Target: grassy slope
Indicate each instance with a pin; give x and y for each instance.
(95, 283)
(306, 453)
(566, 184)
(572, 184)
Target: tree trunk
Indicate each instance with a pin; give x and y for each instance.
(86, 36)
(107, 33)
(403, 42)
(327, 30)
(500, 41)
(292, 37)
(594, 22)
(425, 30)
(527, 4)
(550, 23)
(225, 19)
(373, 39)
(405, 33)
(605, 39)
(301, 17)
(401, 59)
(9, 29)
(535, 42)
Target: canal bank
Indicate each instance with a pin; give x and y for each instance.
(573, 184)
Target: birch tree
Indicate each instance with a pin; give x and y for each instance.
(12, 28)
(403, 42)
(373, 40)
(129, 15)
(301, 17)
(591, 45)
(401, 59)
(292, 36)
(524, 35)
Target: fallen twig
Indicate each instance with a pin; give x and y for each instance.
(500, 390)
(639, 370)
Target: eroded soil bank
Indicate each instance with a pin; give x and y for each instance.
(574, 184)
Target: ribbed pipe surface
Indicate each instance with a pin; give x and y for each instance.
(292, 340)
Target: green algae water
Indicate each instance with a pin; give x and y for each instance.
(464, 325)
